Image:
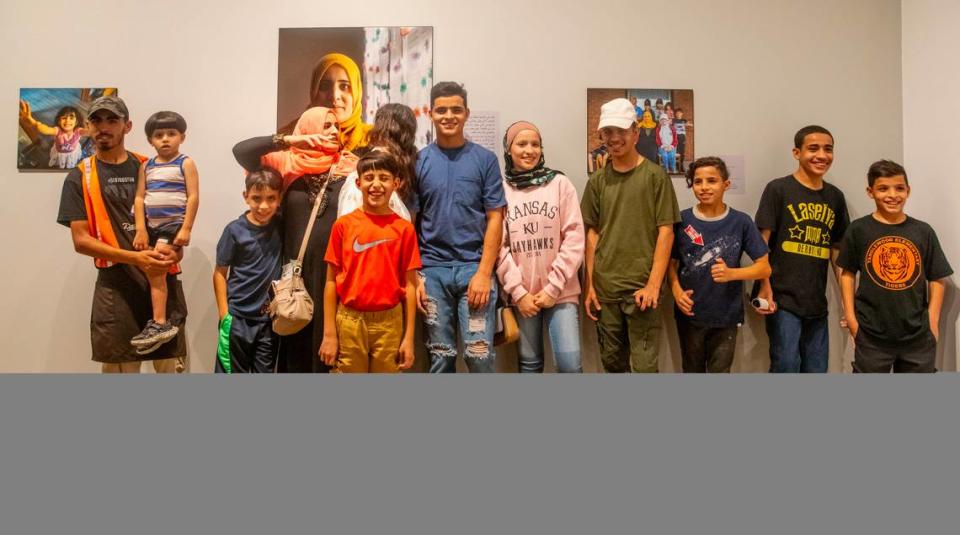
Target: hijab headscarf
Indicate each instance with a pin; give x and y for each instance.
(353, 131)
(540, 174)
(295, 162)
(647, 121)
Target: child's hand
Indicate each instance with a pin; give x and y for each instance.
(647, 297)
(140, 240)
(543, 300)
(684, 301)
(183, 238)
(591, 302)
(25, 110)
(527, 306)
(720, 272)
(328, 350)
(406, 354)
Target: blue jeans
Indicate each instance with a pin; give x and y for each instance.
(668, 159)
(797, 344)
(563, 326)
(448, 313)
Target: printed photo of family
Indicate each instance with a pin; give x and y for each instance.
(664, 120)
(51, 133)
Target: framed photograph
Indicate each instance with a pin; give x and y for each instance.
(665, 120)
(51, 134)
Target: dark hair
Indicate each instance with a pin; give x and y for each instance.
(659, 101)
(677, 110)
(395, 128)
(707, 161)
(669, 105)
(65, 110)
(264, 178)
(885, 169)
(806, 131)
(381, 160)
(447, 89)
(165, 119)
(646, 102)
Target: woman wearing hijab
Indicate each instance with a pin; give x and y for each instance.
(542, 250)
(336, 85)
(313, 163)
(647, 142)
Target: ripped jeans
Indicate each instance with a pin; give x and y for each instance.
(448, 313)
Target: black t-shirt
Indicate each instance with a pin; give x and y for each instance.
(253, 255)
(118, 185)
(804, 225)
(896, 262)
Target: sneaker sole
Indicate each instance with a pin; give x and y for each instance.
(150, 349)
(161, 338)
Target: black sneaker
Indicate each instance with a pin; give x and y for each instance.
(154, 334)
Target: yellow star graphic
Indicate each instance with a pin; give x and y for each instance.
(796, 233)
(826, 238)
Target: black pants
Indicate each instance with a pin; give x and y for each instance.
(706, 349)
(246, 346)
(872, 357)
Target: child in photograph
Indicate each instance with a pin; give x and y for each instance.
(248, 260)
(680, 126)
(369, 300)
(165, 208)
(893, 312)
(66, 151)
(667, 144)
(542, 251)
(629, 209)
(658, 110)
(705, 273)
(802, 218)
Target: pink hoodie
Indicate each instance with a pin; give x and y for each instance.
(543, 238)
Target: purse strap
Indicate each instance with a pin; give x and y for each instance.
(310, 222)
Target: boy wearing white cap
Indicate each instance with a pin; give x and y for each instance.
(629, 208)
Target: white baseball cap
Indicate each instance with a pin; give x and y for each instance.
(618, 113)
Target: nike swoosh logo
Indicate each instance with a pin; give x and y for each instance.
(361, 247)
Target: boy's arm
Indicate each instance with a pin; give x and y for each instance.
(766, 289)
(848, 289)
(140, 239)
(192, 178)
(838, 273)
(680, 296)
(330, 345)
(220, 289)
(478, 292)
(590, 301)
(147, 260)
(760, 269)
(406, 353)
(649, 295)
(26, 117)
(937, 290)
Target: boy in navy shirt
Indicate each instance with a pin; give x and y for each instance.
(705, 273)
(248, 259)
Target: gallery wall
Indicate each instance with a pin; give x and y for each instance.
(759, 71)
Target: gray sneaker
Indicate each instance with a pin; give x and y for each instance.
(154, 335)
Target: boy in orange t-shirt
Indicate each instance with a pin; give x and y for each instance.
(369, 300)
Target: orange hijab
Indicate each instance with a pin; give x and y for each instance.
(295, 162)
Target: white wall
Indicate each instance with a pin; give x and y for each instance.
(931, 113)
(759, 69)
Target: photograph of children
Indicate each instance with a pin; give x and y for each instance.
(355, 71)
(51, 126)
(664, 122)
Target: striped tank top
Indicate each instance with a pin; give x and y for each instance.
(165, 200)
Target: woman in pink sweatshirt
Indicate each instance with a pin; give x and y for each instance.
(542, 250)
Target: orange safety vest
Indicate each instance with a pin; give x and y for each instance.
(97, 218)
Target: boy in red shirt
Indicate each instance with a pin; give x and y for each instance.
(374, 258)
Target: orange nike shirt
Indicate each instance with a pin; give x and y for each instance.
(372, 255)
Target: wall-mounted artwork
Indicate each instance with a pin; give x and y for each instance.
(355, 71)
(51, 133)
(665, 120)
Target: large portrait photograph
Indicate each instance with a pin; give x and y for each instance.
(665, 120)
(50, 134)
(355, 71)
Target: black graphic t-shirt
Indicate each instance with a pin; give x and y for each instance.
(804, 225)
(698, 243)
(118, 184)
(895, 263)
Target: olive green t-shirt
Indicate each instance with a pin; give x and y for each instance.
(626, 209)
